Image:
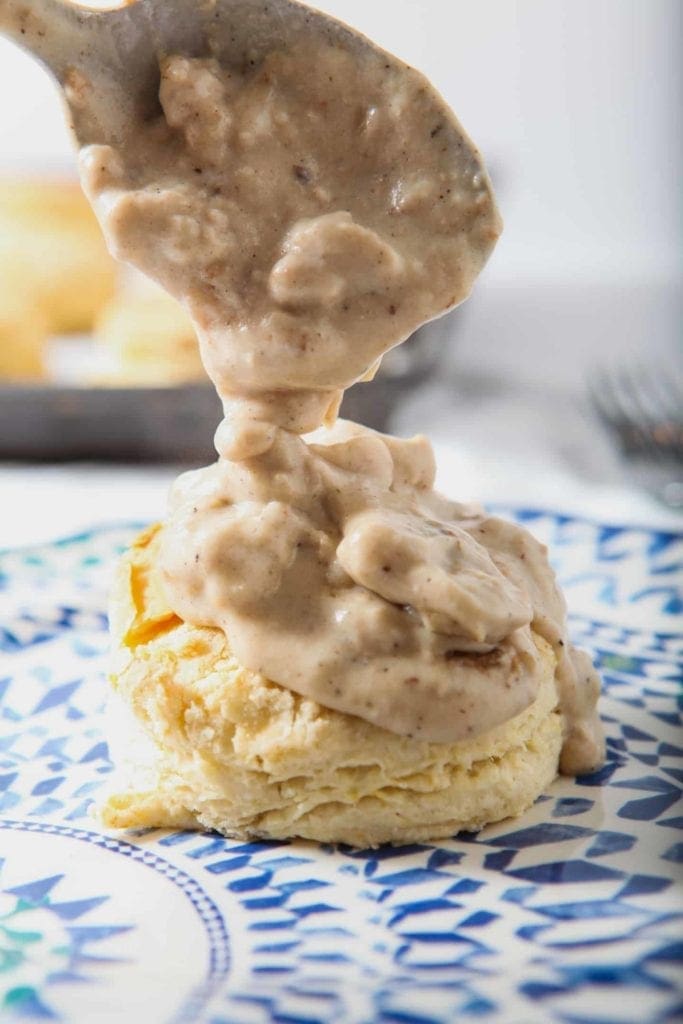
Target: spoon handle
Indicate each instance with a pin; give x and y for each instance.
(54, 31)
(105, 61)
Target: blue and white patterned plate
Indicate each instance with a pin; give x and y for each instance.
(571, 914)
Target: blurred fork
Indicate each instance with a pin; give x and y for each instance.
(642, 407)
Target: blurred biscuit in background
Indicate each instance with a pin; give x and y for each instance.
(57, 278)
(23, 333)
(148, 338)
(52, 252)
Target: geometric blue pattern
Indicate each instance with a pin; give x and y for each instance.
(572, 914)
(37, 894)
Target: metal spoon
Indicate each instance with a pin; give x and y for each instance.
(107, 61)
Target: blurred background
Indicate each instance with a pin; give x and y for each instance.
(557, 383)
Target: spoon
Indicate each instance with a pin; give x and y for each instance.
(432, 191)
(107, 61)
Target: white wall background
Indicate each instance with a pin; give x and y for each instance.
(576, 106)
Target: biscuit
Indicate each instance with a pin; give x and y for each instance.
(53, 252)
(149, 340)
(23, 334)
(219, 747)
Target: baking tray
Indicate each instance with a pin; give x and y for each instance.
(62, 423)
(58, 422)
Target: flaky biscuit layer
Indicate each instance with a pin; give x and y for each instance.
(211, 744)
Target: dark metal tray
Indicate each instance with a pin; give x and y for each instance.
(64, 422)
(54, 423)
(61, 423)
